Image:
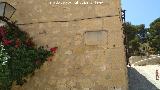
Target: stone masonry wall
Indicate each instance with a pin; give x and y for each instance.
(83, 62)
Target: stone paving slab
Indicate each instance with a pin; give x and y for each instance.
(143, 77)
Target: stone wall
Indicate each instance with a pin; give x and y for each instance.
(83, 62)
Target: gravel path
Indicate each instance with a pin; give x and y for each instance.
(143, 77)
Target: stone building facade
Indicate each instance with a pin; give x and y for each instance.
(89, 37)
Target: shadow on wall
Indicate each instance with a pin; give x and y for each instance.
(138, 81)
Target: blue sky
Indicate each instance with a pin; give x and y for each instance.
(141, 11)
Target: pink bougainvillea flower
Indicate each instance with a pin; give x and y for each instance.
(18, 42)
(6, 42)
(54, 49)
(2, 32)
(29, 42)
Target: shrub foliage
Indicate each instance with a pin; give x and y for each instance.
(19, 56)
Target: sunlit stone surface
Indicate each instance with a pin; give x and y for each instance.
(78, 64)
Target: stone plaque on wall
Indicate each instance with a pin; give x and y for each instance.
(95, 37)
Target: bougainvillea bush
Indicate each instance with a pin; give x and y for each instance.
(19, 56)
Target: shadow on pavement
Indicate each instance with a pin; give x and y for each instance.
(138, 82)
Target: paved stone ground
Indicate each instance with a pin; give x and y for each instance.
(143, 77)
